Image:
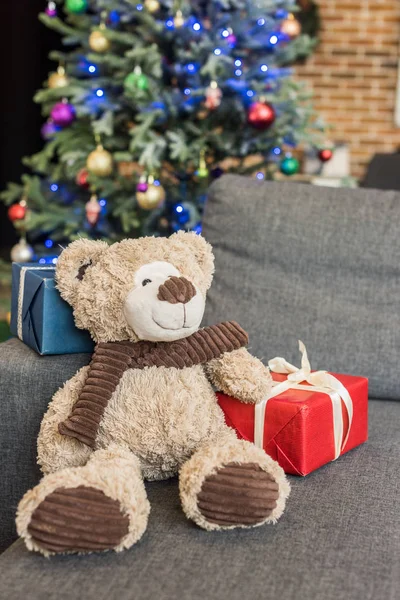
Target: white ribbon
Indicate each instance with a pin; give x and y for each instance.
(21, 294)
(320, 381)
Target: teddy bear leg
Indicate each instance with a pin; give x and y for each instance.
(231, 483)
(101, 506)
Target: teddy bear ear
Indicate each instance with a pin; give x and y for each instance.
(74, 262)
(200, 250)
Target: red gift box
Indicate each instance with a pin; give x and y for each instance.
(304, 427)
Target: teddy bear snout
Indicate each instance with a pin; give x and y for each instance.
(176, 289)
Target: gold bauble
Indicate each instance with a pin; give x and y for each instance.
(152, 5)
(98, 42)
(179, 19)
(152, 198)
(100, 162)
(22, 252)
(291, 26)
(58, 80)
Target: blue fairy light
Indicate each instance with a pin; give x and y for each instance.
(92, 69)
(250, 93)
(225, 33)
(54, 187)
(238, 72)
(102, 202)
(217, 51)
(264, 68)
(156, 182)
(54, 261)
(238, 63)
(191, 68)
(139, 6)
(260, 175)
(178, 208)
(273, 40)
(196, 26)
(198, 228)
(42, 261)
(169, 24)
(99, 93)
(49, 243)
(261, 22)
(186, 91)
(277, 151)
(114, 16)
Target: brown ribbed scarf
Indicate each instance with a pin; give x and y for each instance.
(111, 360)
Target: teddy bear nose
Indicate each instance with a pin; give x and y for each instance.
(176, 289)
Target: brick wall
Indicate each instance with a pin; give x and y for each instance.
(354, 74)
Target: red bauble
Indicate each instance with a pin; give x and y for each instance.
(16, 212)
(325, 155)
(261, 115)
(82, 178)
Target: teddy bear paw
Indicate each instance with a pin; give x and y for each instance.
(238, 494)
(80, 519)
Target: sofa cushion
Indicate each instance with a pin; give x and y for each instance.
(337, 539)
(295, 261)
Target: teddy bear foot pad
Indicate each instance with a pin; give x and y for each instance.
(81, 519)
(238, 495)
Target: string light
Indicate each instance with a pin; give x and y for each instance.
(238, 63)
(260, 175)
(42, 261)
(49, 243)
(179, 208)
(261, 22)
(217, 51)
(225, 33)
(54, 187)
(54, 261)
(273, 40)
(169, 24)
(250, 93)
(277, 151)
(100, 93)
(186, 91)
(102, 202)
(139, 7)
(264, 68)
(92, 69)
(238, 72)
(191, 68)
(196, 26)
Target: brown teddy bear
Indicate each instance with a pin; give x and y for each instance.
(144, 408)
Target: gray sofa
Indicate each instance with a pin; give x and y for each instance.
(293, 262)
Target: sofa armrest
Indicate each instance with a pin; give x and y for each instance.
(27, 384)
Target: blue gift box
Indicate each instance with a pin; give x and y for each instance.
(39, 316)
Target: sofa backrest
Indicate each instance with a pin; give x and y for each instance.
(322, 265)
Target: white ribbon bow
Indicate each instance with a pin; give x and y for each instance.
(319, 381)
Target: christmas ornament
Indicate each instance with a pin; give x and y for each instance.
(51, 9)
(153, 197)
(202, 171)
(289, 165)
(49, 130)
(325, 154)
(17, 211)
(63, 114)
(100, 162)
(58, 80)
(179, 19)
(261, 115)
(82, 179)
(136, 80)
(98, 41)
(213, 96)
(76, 6)
(152, 5)
(21, 252)
(93, 210)
(142, 185)
(291, 27)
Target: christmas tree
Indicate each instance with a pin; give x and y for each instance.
(152, 101)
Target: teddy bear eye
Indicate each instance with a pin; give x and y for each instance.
(145, 282)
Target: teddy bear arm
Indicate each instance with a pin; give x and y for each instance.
(241, 375)
(56, 451)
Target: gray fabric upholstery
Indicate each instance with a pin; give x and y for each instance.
(339, 540)
(27, 384)
(322, 265)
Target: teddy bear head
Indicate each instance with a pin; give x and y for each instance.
(138, 289)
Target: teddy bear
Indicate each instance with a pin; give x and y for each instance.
(145, 407)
